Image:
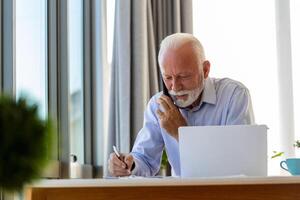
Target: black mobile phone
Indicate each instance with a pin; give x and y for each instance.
(165, 90)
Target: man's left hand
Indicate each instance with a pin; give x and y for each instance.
(171, 119)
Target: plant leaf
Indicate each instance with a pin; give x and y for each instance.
(277, 154)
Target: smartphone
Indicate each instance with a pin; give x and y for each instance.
(165, 90)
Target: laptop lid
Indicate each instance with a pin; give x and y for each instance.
(209, 151)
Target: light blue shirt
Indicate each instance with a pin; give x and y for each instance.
(224, 102)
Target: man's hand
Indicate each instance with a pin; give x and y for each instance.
(171, 119)
(119, 167)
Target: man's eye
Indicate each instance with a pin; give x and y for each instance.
(185, 77)
(168, 78)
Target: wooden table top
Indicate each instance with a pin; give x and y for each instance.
(167, 181)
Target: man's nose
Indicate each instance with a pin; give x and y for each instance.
(176, 85)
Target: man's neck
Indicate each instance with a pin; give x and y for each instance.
(196, 103)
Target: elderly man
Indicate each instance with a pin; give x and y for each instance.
(196, 100)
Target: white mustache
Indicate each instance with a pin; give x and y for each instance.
(184, 92)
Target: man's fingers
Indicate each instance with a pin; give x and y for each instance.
(116, 171)
(163, 103)
(116, 161)
(123, 172)
(118, 167)
(119, 163)
(160, 114)
(168, 101)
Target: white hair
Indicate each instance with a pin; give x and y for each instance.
(177, 40)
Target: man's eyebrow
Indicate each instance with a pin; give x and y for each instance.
(181, 73)
(185, 74)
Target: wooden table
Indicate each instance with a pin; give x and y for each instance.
(286, 187)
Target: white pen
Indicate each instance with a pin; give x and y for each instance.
(118, 155)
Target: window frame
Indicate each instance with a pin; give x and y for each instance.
(98, 62)
(8, 43)
(63, 88)
(87, 82)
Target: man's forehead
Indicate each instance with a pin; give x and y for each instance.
(179, 71)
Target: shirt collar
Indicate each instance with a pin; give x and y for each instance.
(208, 94)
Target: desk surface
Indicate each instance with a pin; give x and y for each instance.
(281, 187)
(168, 181)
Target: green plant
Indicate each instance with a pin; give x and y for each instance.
(25, 140)
(278, 154)
(297, 144)
(164, 159)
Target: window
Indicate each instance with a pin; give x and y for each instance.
(53, 68)
(240, 41)
(295, 32)
(31, 52)
(75, 61)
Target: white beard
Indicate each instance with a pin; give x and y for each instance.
(191, 98)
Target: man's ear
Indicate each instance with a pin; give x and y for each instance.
(206, 68)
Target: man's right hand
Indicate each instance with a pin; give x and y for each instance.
(119, 167)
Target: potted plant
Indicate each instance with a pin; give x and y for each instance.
(291, 165)
(281, 153)
(25, 140)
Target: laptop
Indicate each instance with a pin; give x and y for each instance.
(212, 151)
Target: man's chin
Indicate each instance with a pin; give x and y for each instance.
(186, 101)
(182, 104)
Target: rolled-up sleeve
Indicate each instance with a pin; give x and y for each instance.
(148, 146)
(240, 109)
